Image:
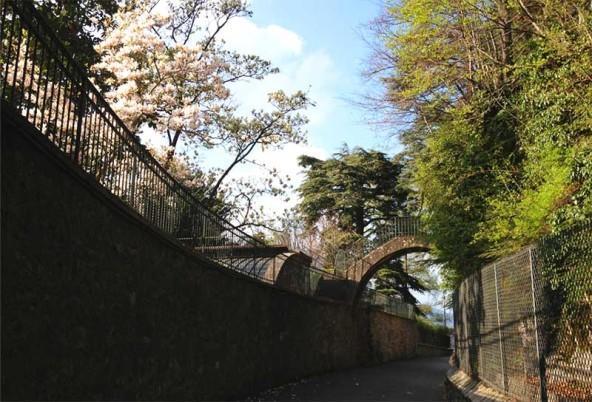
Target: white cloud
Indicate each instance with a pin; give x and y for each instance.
(311, 71)
(270, 42)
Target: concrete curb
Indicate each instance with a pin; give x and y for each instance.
(461, 387)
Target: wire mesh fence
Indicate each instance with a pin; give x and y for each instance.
(524, 323)
(42, 83)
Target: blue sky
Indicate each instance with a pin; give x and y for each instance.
(319, 48)
(334, 27)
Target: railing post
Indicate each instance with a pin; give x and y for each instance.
(203, 232)
(133, 184)
(540, 358)
(80, 115)
(499, 327)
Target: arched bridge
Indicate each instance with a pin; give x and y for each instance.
(390, 240)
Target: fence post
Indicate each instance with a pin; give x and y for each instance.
(541, 360)
(499, 327)
(133, 186)
(80, 115)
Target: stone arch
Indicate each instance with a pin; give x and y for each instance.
(364, 269)
(285, 271)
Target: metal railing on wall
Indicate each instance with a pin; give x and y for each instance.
(515, 324)
(339, 257)
(41, 82)
(388, 304)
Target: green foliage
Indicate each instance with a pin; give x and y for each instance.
(516, 218)
(393, 280)
(565, 258)
(432, 333)
(500, 98)
(80, 25)
(356, 188)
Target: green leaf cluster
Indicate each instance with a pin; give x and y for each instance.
(499, 93)
(564, 258)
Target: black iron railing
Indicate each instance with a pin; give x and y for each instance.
(43, 83)
(389, 304)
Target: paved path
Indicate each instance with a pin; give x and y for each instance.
(419, 379)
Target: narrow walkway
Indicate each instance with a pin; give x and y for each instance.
(420, 379)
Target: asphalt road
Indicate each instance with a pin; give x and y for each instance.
(419, 379)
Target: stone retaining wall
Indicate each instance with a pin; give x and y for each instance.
(96, 304)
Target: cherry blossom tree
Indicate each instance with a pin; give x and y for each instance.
(168, 70)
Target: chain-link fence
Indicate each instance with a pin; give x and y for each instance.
(524, 323)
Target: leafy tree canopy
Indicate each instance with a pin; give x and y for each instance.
(169, 74)
(498, 97)
(356, 188)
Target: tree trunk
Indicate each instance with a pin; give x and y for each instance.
(359, 221)
(506, 42)
(172, 147)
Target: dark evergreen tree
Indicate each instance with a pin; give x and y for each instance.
(393, 280)
(356, 188)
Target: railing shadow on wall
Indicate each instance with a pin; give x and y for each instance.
(515, 328)
(42, 83)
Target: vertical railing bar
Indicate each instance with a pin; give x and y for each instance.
(53, 101)
(73, 118)
(26, 61)
(125, 177)
(499, 327)
(29, 92)
(93, 135)
(84, 140)
(163, 201)
(42, 111)
(41, 74)
(161, 198)
(81, 113)
(542, 379)
(117, 166)
(65, 110)
(60, 110)
(111, 155)
(3, 21)
(9, 47)
(125, 174)
(158, 204)
(60, 92)
(104, 152)
(133, 184)
(16, 62)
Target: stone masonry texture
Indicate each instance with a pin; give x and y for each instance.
(96, 305)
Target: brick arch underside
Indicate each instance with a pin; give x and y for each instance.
(375, 259)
